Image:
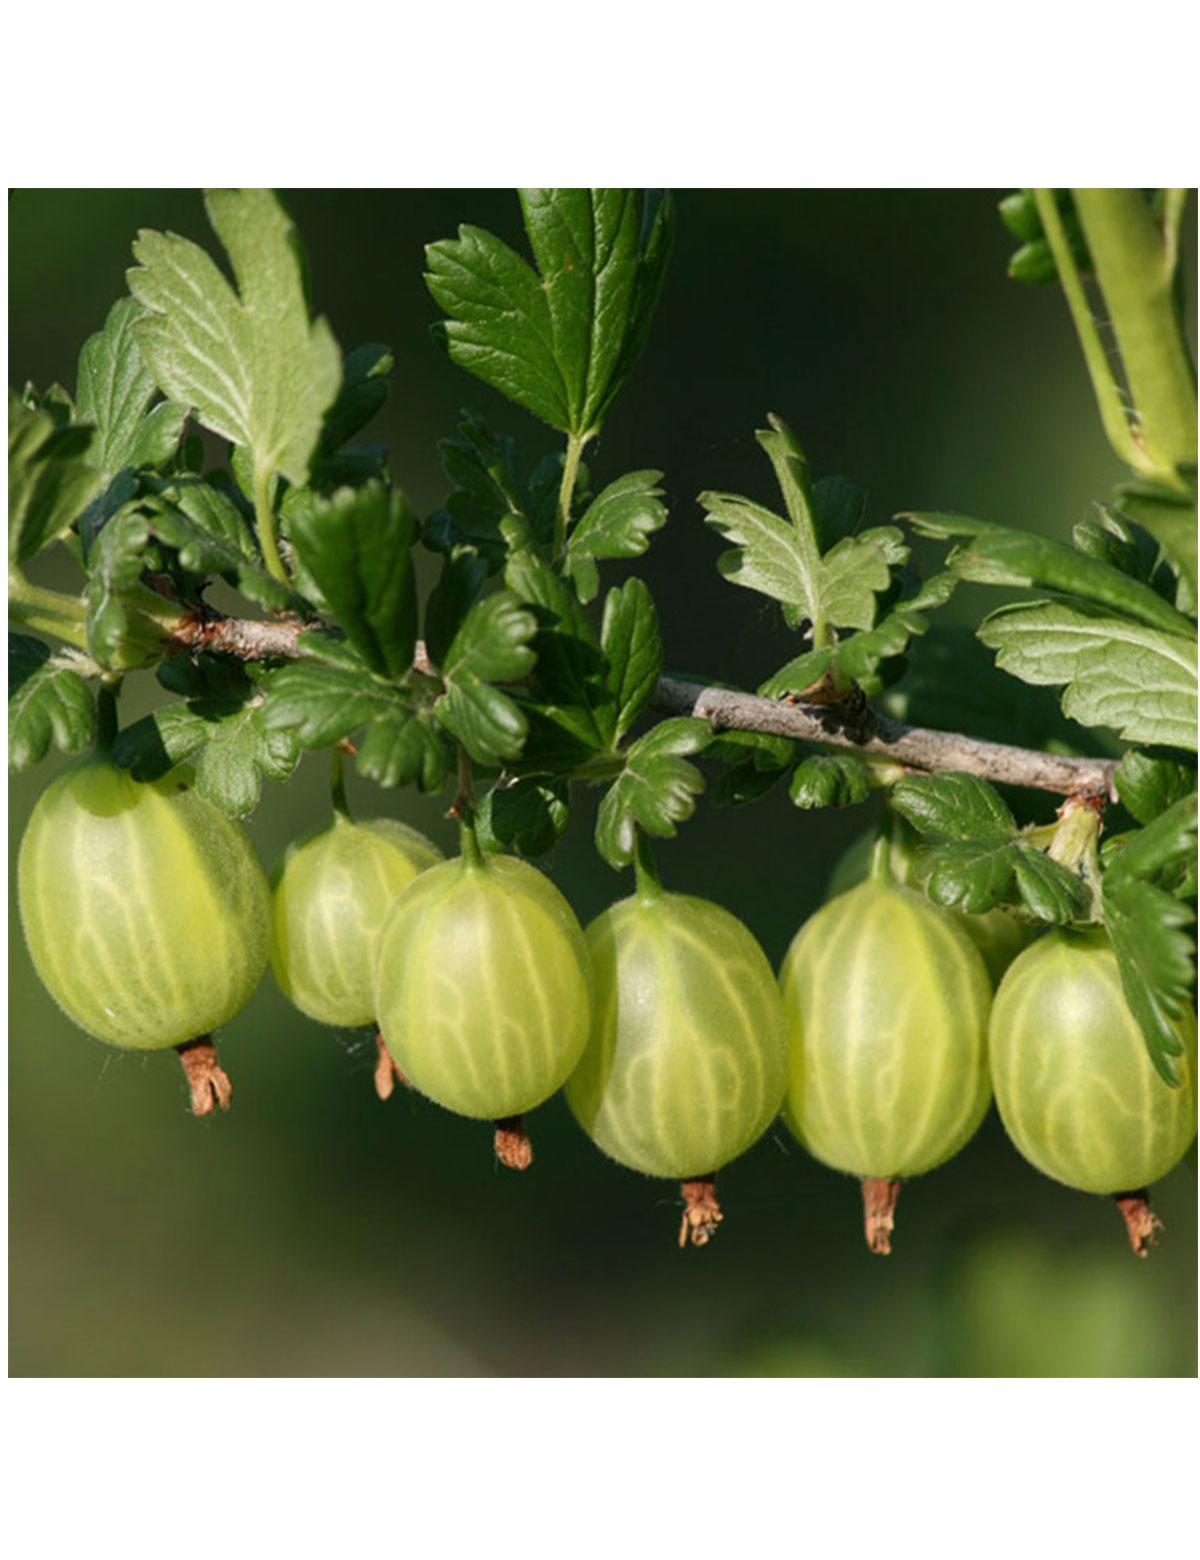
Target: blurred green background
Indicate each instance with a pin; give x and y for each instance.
(314, 1231)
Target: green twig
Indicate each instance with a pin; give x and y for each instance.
(47, 611)
(1108, 392)
(1136, 273)
(648, 885)
(264, 521)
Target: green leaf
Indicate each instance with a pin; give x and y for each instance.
(785, 561)
(489, 487)
(951, 682)
(123, 630)
(458, 587)
(655, 791)
(569, 682)
(526, 815)
(618, 523)
(51, 477)
(1166, 845)
(1156, 958)
(1170, 518)
(211, 535)
(798, 675)
(1149, 786)
(559, 343)
(357, 546)
(236, 750)
(491, 646)
(363, 393)
(1121, 543)
(861, 656)
(402, 748)
(629, 638)
(114, 391)
(830, 780)
(49, 703)
(997, 555)
(986, 861)
(320, 704)
(1136, 679)
(254, 367)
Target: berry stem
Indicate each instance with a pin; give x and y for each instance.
(879, 1213)
(1143, 1225)
(106, 716)
(337, 786)
(648, 884)
(701, 1210)
(387, 1074)
(513, 1148)
(208, 1081)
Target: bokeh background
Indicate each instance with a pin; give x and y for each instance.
(314, 1231)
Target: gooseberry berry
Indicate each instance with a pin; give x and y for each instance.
(887, 1001)
(483, 989)
(330, 893)
(687, 1060)
(1075, 1086)
(145, 911)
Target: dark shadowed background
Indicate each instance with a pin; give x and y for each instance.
(315, 1231)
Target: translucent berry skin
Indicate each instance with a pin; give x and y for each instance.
(330, 894)
(483, 986)
(1074, 1085)
(145, 910)
(687, 1060)
(887, 1001)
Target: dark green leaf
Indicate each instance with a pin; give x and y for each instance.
(569, 681)
(458, 586)
(114, 391)
(125, 624)
(211, 535)
(957, 807)
(51, 478)
(632, 648)
(655, 791)
(618, 523)
(1156, 957)
(489, 488)
(363, 393)
(527, 815)
(357, 546)
(559, 343)
(1166, 845)
(404, 747)
(830, 780)
(492, 645)
(234, 749)
(320, 703)
(1148, 786)
(49, 704)
(254, 367)
(1170, 517)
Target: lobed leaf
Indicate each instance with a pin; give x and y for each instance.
(618, 523)
(1149, 786)
(655, 791)
(492, 645)
(629, 638)
(1135, 679)
(49, 703)
(51, 477)
(526, 815)
(830, 780)
(1156, 959)
(114, 392)
(254, 367)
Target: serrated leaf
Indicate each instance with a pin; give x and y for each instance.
(655, 791)
(618, 523)
(114, 392)
(212, 536)
(1135, 679)
(123, 632)
(1163, 846)
(559, 341)
(526, 815)
(492, 645)
(569, 683)
(830, 780)
(798, 675)
(629, 639)
(861, 656)
(322, 703)
(785, 560)
(254, 367)
(234, 750)
(999, 555)
(457, 588)
(1148, 786)
(51, 478)
(357, 546)
(1171, 519)
(364, 390)
(404, 747)
(49, 703)
(956, 806)
(1156, 959)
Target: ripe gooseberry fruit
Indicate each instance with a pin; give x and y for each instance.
(887, 1001)
(998, 935)
(146, 913)
(330, 893)
(483, 990)
(1075, 1086)
(687, 1060)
